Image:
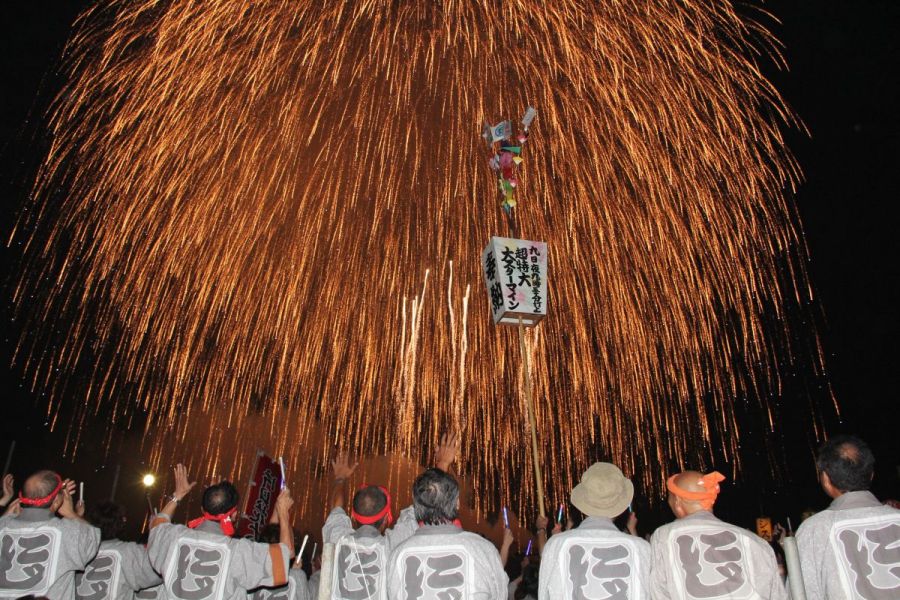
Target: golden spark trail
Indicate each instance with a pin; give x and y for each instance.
(239, 197)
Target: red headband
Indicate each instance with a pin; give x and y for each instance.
(383, 513)
(49, 497)
(224, 521)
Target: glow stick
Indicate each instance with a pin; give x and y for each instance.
(281, 464)
(81, 492)
(790, 529)
(299, 558)
(629, 508)
(559, 516)
(528, 548)
(312, 556)
(505, 518)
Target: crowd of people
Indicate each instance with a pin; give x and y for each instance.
(50, 547)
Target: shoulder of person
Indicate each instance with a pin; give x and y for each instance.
(73, 525)
(474, 538)
(661, 532)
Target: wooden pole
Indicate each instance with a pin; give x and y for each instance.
(529, 400)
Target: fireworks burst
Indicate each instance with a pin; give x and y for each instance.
(253, 194)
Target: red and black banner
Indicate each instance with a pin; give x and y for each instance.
(264, 488)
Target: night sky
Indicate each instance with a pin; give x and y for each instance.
(842, 81)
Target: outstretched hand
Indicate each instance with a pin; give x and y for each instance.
(8, 489)
(14, 508)
(342, 467)
(183, 486)
(67, 508)
(507, 538)
(284, 503)
(447, 451)
(631, 525)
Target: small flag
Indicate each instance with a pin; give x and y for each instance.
(501, 131)
(529, 116)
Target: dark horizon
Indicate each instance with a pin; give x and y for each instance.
(841, 82)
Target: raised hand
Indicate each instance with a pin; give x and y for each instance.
(342, 468)
(507, 538)
(447, 451)
(284, 503)
(8, 489)
(14, 508)
(183, 486)
(67, 508)
(631, 525)
(557, 528)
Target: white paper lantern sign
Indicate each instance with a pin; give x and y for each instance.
(515, 274)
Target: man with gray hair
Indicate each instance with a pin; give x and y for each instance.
(596, 560)
(851, 549)
(440, 559)
(40, 552)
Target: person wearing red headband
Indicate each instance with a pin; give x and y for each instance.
(852, 548)
(39, 552)
(203, 560)
(441, 560)
(361, 552)
(700, 556)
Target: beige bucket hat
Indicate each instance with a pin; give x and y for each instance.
(603, 492)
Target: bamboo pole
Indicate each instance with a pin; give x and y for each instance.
(529, 400)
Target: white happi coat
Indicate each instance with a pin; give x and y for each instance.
(851, 550)
(701, 557)
(204, 564)
(596, 560)
(118, 571)
(157, 592)
(40, 553)
(314, 585)
(443, 561)
(360, 556)
(297, 588)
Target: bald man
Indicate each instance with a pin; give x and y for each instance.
(700, 556)
(851, 549)
(40, 552)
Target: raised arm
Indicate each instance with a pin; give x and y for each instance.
(283, 510)
(342, 470)
(541, 524)
(447, 451)
(182, 488)
(8, 490)
(505, 546)
(67, 510)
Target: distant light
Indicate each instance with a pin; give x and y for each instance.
(149, 480)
